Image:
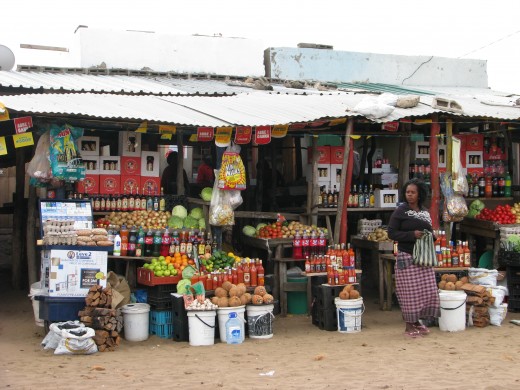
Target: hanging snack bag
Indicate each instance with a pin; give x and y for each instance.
(66, 163)
(232, 173)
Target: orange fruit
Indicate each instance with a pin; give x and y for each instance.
(191, 262)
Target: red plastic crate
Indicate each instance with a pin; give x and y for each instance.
(147, 277)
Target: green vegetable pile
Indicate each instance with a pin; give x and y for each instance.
(475, 208)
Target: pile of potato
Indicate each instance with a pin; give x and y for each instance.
(378, 235)
(146, 219)
(451, 282)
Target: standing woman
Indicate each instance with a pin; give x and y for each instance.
(416, 287)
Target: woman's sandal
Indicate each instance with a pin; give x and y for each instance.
(413, 333)
(423, 330)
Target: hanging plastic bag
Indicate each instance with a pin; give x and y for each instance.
(232, 173)
(40, 167)
(66, 162)
(456, 207)
(220, 210)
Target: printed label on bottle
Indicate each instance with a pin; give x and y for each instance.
(247, 277)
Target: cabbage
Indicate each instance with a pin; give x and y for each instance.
(206, 193)
(260, 225)
(182, 286)
(180, 211)
(477, 205)
(197, 213)
(191, 222)
(202, 223)
(514, 242)
(249, 230)
(175, 222)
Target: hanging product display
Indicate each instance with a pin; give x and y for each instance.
(66, 163)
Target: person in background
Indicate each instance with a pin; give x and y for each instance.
(205, 173)
(169, 176)
(416, 287)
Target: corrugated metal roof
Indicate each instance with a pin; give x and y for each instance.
(379, 88)
(252, 109)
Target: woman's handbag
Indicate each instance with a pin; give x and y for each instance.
(424, 251)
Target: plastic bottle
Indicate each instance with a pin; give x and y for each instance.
(261, 272)
(157, 242)
(139, 246)
(297, 246)
(124, 240)
(117, 245)
(254, 274)
(148, 243)
(234, 333)
(132, 241)
(507, 186)
(247, 274)
(165, 244)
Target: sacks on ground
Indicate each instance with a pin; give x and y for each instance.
(76, 342)
(52, 339)
(483, 276)
(120, 290)
(497, 314)
(499, 293)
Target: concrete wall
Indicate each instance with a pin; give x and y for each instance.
(160, 52)
(349, 67)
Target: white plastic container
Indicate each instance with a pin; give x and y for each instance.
(453, 311)
(349, 314)
(234, 329)
(36, 290)
(201, 325)
(223, 316)
(136, 321)
(260, 321)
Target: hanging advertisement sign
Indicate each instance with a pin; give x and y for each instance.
(338, 121)
(205, 134)
(391, 126)
(3, 146)
(223, 136)
(21, 125)
(297, 126)
(24, 139)
(262, 135)
(243, 135)
(279, 131)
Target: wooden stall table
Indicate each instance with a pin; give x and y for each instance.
(386, 264)
(274, 248)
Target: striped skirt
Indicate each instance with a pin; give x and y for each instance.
(416, 289)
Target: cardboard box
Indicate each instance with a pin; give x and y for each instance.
(335, 174)
(337, 154)
(130, 184)
(422, 150)
(150, 164)
(109, 165)
(131, 166)
(89, 185)
(323, 155)
(129, 143)
(150, 185)
(474, 142)
(474, 159)
(88, 146)
(91, 165)
(73, 272)
(109, 184)
(324, 173)
(386, 198)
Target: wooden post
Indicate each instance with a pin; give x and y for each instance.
(32, 268)
(18, 221)
(180, 164)
(340, 228)
(314, 187)
(449, 161)
(298, 157)
(434, 171)
(404, 156)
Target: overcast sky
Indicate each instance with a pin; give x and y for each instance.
(477, 29)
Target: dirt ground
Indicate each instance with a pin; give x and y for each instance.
(299, 355)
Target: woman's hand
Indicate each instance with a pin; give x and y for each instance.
(418, 233)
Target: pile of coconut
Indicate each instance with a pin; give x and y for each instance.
(231, 295)
(452, 282)
(349, 292)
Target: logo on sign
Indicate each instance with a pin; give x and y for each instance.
(263, 135)
(71, 254)
(204, 134)
(21, 125)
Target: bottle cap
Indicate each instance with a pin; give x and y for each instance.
(233, 315)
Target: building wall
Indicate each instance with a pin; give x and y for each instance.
(350, 67)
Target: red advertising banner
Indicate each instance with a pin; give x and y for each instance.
(21, 125)
(391, 126)
(205, 134)
(243, 135)
(262, 135)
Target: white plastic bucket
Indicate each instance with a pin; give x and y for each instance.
(260, 321)
(36, 289)
(223, 316)
(349, 312)
(202, 327)
(453, 311)
(136, 321)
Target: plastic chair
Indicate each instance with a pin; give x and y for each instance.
(486, 260)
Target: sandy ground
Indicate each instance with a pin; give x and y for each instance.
(298, 356)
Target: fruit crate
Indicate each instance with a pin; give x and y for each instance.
(513, 276)
(160, 323)
(147, 278)
(161, 316)
(163, 331)
(325, 319)
(508, 258)
(324, 296)
(513, 305)
(180, 331)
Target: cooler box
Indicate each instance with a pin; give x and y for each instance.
(297, 300)
(58, 309)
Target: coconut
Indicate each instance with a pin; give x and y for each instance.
(444, 277)
(452, 278)
(214, 300)
(257, 299)
(268, 298)
(260, 290)
(348, 287)
(243, 300)
(233, 291)
(344, 294)
(248, 297)
(220, 292)
(449, 286)
(354, 294)
(241, 289)
(227, 285)
(234, 301)
(223, 302)
(442, 284)
(464, 279)
(459, 284)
